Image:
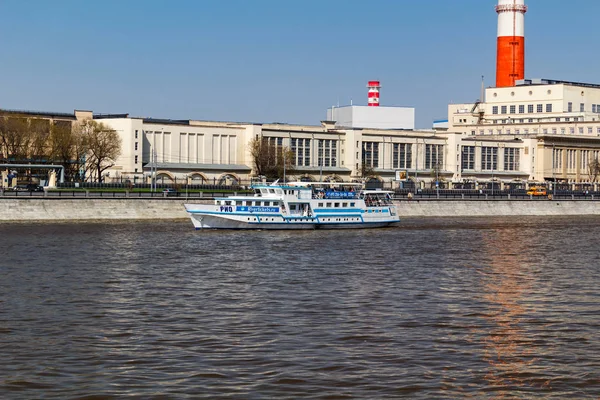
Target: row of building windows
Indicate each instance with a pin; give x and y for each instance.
(402, 156)
(513, 109)
(517, 131)
(532, 120)
(539, 108)
(489, 158)
(571, 159)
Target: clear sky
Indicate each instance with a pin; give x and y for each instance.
(274, 60)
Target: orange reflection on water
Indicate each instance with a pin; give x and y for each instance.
(506, 281)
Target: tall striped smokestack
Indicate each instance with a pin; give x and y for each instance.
(374, 87)
(510, 61)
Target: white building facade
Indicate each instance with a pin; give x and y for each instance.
(219, 152)
(538, 130)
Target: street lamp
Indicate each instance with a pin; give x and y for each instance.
(437, 176)
(553, 177)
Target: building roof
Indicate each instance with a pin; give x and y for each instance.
(41, 114)
(532, 82)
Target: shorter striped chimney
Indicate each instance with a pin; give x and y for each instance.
(374, 87)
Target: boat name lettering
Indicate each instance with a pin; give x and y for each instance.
(256, 209)
(226, 209)
(339, 195)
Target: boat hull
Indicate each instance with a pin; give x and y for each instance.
(207, 221)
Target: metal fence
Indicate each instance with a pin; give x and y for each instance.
(212, 191)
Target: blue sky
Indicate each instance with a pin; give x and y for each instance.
(274, 61)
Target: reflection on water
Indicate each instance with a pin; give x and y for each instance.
(506, 280)
(445, 308)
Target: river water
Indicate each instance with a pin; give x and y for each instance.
(438, 308)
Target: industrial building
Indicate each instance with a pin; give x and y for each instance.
(525, 129)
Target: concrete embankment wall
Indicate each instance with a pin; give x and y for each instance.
(91, 209)
(155, 209)
(491, 208)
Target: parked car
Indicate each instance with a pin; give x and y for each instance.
(32, 187)
(170, 192)
(19, 188)
(537, 191)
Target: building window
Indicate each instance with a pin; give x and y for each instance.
(571, 130)
(526, 131)
(548, 107)
(569, 107)
(545, 130)
(557, 159)
(495, 110)
(517, 131)
(370, 154)
(581, 130)
(489, 158)
(402, 155)
(511, 159)
(136, 134)
(136, 146)
(301, 150)
(540, 108)
(593, 108)
(530, 108)
(513, 109)
(503, 109)
(468, 158)
(581, 107)
(562, 131)
(135, 160)
(434, 156)
(590, 130)
(521, 109)
(328, 153)
(554, 131)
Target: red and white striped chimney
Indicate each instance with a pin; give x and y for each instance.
(374, 87)
(510, 61)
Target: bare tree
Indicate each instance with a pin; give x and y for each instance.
(103, 146)
(39, 149)
(14, 138)
(68, 148)
(594, 169)
(366, 171)
(270, 160)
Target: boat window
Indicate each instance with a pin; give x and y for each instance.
(344, 204)
(328, 204)
(238, 203)
(336, 204)
(267, 203)
(352, 204)
(254, 203)
(228, 202)
(271, 190)
(320, 204)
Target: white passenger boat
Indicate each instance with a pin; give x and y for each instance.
(298, 205)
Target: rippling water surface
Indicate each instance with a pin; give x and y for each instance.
(438, 308)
